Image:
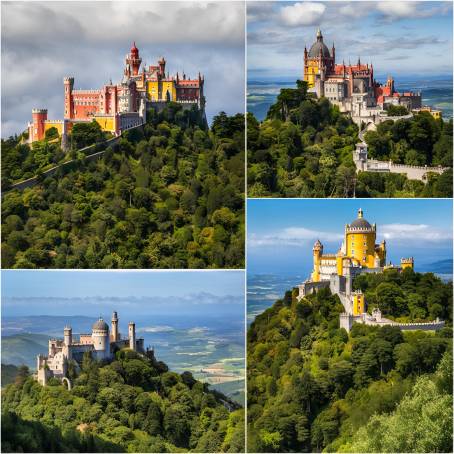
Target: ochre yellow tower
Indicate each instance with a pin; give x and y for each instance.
(407, 263)
(360, 242)
(318, 58)
(359, 306)
(317, 251)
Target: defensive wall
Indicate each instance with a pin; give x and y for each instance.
(30, 182)
(364, 164)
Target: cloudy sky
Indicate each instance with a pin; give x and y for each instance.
(136, 292)
(44, 41)
(281, 233)
(408, 37)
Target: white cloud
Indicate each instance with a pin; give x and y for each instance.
(307, 13)
(394, 10)
(303, 237)
(414, 232)
(89, 40)
(292, 236)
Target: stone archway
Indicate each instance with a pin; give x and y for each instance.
(68, 383)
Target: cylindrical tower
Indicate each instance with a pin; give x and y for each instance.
(68, 83)
(317, 251)
(39, 116)
(114, 327)
(100, 338)
(359, 306)
(133, 60)
(68, 333)
(132, 335)
(360, 241)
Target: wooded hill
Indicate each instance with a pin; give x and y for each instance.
(314, 387)
(133, 404)
(304, 149)
(168, 195)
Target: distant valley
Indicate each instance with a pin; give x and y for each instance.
(211, 349)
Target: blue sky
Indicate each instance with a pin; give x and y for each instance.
(397, 37)
(281, 233)
(44, 41)
(92, 292)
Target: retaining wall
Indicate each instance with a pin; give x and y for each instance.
(30, 182)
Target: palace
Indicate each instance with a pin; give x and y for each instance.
(358, 254)
(101, 344)
(352, 87)
(117, 107)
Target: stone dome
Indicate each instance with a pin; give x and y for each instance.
(100, 325)
(314, 51)
(360, 223)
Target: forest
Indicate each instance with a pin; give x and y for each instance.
(304, 149)
(168, 195)
(313, 387)
(133, 404)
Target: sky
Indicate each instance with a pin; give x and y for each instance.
(281, 233)
(50, 292)
(408, 37)
(44, 41)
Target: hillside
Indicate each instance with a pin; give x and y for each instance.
(313, 387)
(133, 404)
(9, 373)
(304, 149)
(169, 195)
(233, 389)
(23, 348)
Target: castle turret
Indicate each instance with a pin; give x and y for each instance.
(162, 68)
(39, 117)
(100, 338)
(360, 241)
(390, 85)
(133, 61)
(358, 303)
(407, 263)
(132, 335)
(115, 336)
(317, 251)
(68, 83)
(68, 334)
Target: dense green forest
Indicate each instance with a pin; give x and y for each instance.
(304, 149)
(133, 404)
(170, 195)
(313, 387)
(20, 161)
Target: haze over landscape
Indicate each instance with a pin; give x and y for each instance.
(194, 320)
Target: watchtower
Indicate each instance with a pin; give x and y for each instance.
(39, 117)
(68, 83)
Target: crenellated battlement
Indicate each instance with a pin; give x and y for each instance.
(364, 164)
